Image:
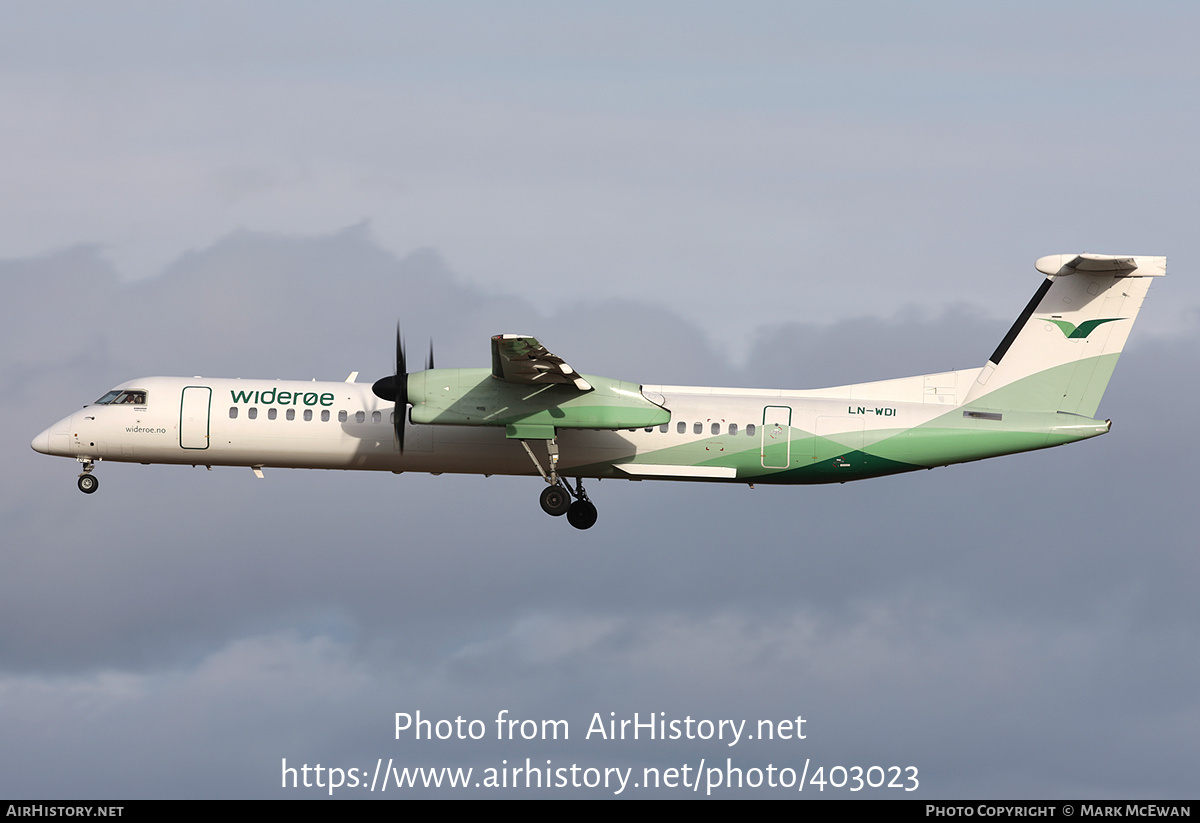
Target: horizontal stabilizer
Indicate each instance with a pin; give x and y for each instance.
(1063, 264)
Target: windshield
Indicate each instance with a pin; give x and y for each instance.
(123, 397)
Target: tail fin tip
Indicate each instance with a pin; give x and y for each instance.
(1059, 265)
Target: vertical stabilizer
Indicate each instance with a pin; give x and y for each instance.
(1061, 351)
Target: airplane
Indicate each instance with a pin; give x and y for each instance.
(1040, 388)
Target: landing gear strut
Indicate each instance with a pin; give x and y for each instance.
(87, 482)
(556, 497)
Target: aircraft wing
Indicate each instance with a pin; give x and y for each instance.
(517, 358)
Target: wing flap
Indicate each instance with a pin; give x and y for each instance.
(518, 358)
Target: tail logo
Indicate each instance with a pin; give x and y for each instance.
(1073, 332)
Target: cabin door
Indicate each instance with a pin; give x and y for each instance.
(193, 417)
(777, 437)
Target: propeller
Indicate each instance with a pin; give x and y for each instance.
(394, 387)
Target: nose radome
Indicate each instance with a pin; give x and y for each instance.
(54, 439)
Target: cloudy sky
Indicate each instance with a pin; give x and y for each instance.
(768, 195)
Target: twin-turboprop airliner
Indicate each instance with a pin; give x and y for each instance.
(532, 414)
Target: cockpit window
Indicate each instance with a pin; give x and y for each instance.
(126, 397)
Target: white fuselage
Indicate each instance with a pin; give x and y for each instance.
(323, 425)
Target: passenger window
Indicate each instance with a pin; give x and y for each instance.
(252, 413)
(324, 415)
(308, 414)
(360, 417)
(663, 428)
(233, 412)
(342, 416)
(291, 414)
(376, 417)
(749, 429)
(733, 428)
(698, 428)
(272, 413)
(650, 429)
(716, 428)
(681, 427)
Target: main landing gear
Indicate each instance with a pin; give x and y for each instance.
(556, 497)
(88, 483)
(582, 513)
(556, 501)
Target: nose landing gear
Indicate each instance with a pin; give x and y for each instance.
(87, 482)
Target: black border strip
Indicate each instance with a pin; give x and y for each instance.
(1002, 349)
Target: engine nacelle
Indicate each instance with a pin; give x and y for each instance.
(473, 397)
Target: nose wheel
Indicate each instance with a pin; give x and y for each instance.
(88, 483)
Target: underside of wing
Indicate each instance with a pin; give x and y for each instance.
(518, 358)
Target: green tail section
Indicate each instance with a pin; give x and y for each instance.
(1060, 353)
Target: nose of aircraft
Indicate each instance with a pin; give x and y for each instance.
(54, 439)
(41, 443)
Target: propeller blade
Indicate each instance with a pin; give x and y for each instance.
(394, 388)
(401, 380)
(400, 359)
